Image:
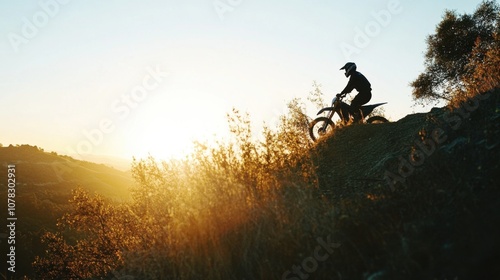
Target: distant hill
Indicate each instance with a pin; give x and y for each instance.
(36, 168)
(44, 182)
(119, 163)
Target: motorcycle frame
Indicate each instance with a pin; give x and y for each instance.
(336, 102)
(344, 111)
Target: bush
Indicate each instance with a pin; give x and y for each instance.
(242, 208)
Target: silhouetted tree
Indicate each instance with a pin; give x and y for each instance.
(458, 40)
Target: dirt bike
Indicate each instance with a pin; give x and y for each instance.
(324, 125)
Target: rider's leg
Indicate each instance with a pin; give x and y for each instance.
(344, 112)
(359, 100)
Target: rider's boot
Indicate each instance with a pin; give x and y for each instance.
(357, 117)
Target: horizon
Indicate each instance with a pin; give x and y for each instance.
(108, 79)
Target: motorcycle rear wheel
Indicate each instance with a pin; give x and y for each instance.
(316, 130)
(377, 119)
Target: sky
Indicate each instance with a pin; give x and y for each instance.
(132, 78)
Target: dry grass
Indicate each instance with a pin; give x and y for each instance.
(243, 208)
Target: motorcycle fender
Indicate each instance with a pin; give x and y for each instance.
(326, 109)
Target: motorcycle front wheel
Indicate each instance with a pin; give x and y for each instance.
(320, 127)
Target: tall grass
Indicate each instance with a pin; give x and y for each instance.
(233, 210)
(244, 208)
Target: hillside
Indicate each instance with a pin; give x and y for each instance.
(359, 155)
(44, 182)
(36, 168)
(418, 198)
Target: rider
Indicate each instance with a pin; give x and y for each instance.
(359, 82)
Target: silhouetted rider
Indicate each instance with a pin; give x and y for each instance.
(359, 82)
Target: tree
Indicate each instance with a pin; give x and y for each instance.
(485, 63)
(90, 240)
(452, 48)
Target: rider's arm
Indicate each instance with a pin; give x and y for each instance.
(349, 87)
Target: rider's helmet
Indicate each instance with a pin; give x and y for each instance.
(349, 67)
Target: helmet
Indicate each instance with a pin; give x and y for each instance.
(349, 67)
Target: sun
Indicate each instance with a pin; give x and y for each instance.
(167, 127)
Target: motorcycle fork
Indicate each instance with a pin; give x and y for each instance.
(329, 116)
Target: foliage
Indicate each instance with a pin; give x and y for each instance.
(103, 231)
(453, 53)
(254, 208)
(316, 96)
(485, 63)
(213, 215)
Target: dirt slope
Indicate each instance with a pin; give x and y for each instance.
(417, 211)
(357, 153)
(358, 156)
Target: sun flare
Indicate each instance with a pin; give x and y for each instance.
(168, 127)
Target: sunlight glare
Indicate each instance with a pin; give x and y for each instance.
(167, 129)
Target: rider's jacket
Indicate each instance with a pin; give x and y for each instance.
(359, 82)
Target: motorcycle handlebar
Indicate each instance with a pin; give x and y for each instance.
(338, 96)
